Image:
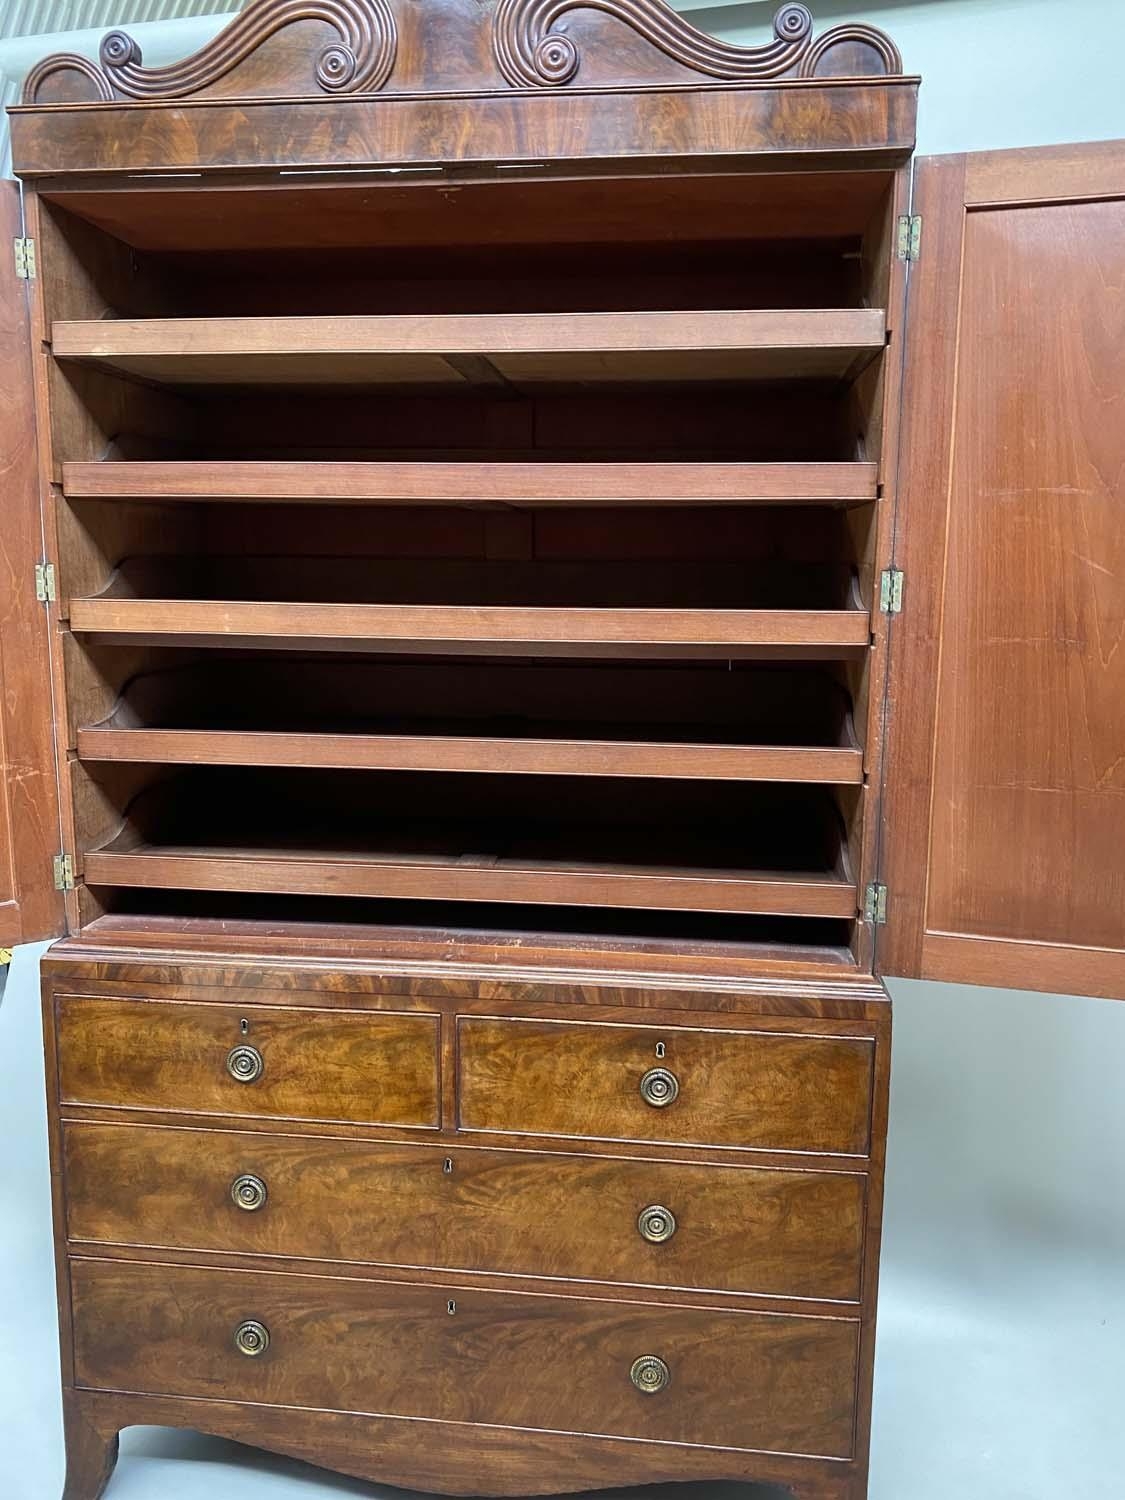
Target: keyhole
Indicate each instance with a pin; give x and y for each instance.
(451, 1307)
(244, 1026)
(660, 1049)
(447, 1166)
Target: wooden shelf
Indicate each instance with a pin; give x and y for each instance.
(492, 859)
(475, 753)
(576, 841)
(485, 349)
(504, 482)
(755, 723)
(532, 630)
(471, 876)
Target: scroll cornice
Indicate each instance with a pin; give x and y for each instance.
(852, 32)
(361, 60)
(66, 62)
(284, 49)
(530, 51)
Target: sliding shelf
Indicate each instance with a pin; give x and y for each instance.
(505, 482)
(470, 877)
(406, 866)
(702, 721)
(576, 841)
(485, 629)
(560, 756)
(475, 350)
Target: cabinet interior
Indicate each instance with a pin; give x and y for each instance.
(495, 556)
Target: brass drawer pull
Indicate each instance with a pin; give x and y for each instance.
(649, 1374)
(251, 1338)
(656, 1224)
(245, 1064)
(249, 1192)
(659, 1087)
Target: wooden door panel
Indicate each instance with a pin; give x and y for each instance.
(1005, 814)
(30, 907)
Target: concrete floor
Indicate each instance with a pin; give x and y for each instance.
(1001, 1363)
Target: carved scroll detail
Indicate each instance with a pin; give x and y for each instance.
(65, 62)
(529, 52)
(360, 62)
(350, 47)
(870, 36)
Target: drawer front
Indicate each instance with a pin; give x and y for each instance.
(367, 1067)
(735, 1379)
(724, 1088)
(738, 1229)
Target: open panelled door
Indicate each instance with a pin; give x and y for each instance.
(1004, 813)
(30, 905)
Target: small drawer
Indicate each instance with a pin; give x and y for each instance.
(564, 1216)
(363, 1067)
(676, 1085)
(705, 1376)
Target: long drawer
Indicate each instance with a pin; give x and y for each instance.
(721, 1087)
(569, 1216)
(364, 1067)
(684, 1375)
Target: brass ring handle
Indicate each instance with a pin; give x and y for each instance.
(251, 1338)
(650, 1374)
(656, 1224)
(659, 1087)
(249, 1192)
(245, 1064)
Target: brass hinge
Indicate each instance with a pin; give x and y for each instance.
(25, 259)
(875, 903)
(890, 591)
(45, 586)
(909, 236)
(63, 872)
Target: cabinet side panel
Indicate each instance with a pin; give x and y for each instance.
(30, 907)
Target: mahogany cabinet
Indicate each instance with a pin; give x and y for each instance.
(543, 556)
